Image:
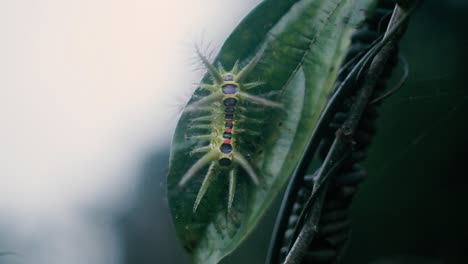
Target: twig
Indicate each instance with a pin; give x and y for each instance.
(343, 143)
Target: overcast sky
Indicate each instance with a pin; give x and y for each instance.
(87, 89)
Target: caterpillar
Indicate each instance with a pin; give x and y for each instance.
(217, 199)
(222, 154)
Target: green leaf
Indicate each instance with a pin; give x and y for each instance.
(299, 46)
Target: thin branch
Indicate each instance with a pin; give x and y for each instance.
(343, 143)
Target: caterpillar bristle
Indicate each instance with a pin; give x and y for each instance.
(201, 118)
(239, 158)
(221, 69)
(235, 68)
(211, 69)
(202, 162)
(200, 137)
(258, 100)
(208, 87)
(200, 126)
(232, 188)
(249, 132)
(251, 85)
(247, 69)
(206, 100)
(200, 150)
(206, 183)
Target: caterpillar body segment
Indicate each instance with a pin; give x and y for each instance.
(224, 116)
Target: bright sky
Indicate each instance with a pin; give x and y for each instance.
(86, 89)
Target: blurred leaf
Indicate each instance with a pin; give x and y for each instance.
(300, 45)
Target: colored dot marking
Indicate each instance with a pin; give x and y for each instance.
(224, 162)
(230, 101)
(226, 148)
(229, 89)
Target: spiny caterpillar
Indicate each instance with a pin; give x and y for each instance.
(222, 154)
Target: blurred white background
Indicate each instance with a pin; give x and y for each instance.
(87, 88)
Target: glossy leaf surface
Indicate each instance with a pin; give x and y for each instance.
(300, 45)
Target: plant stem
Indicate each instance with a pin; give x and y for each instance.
(343, 141)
